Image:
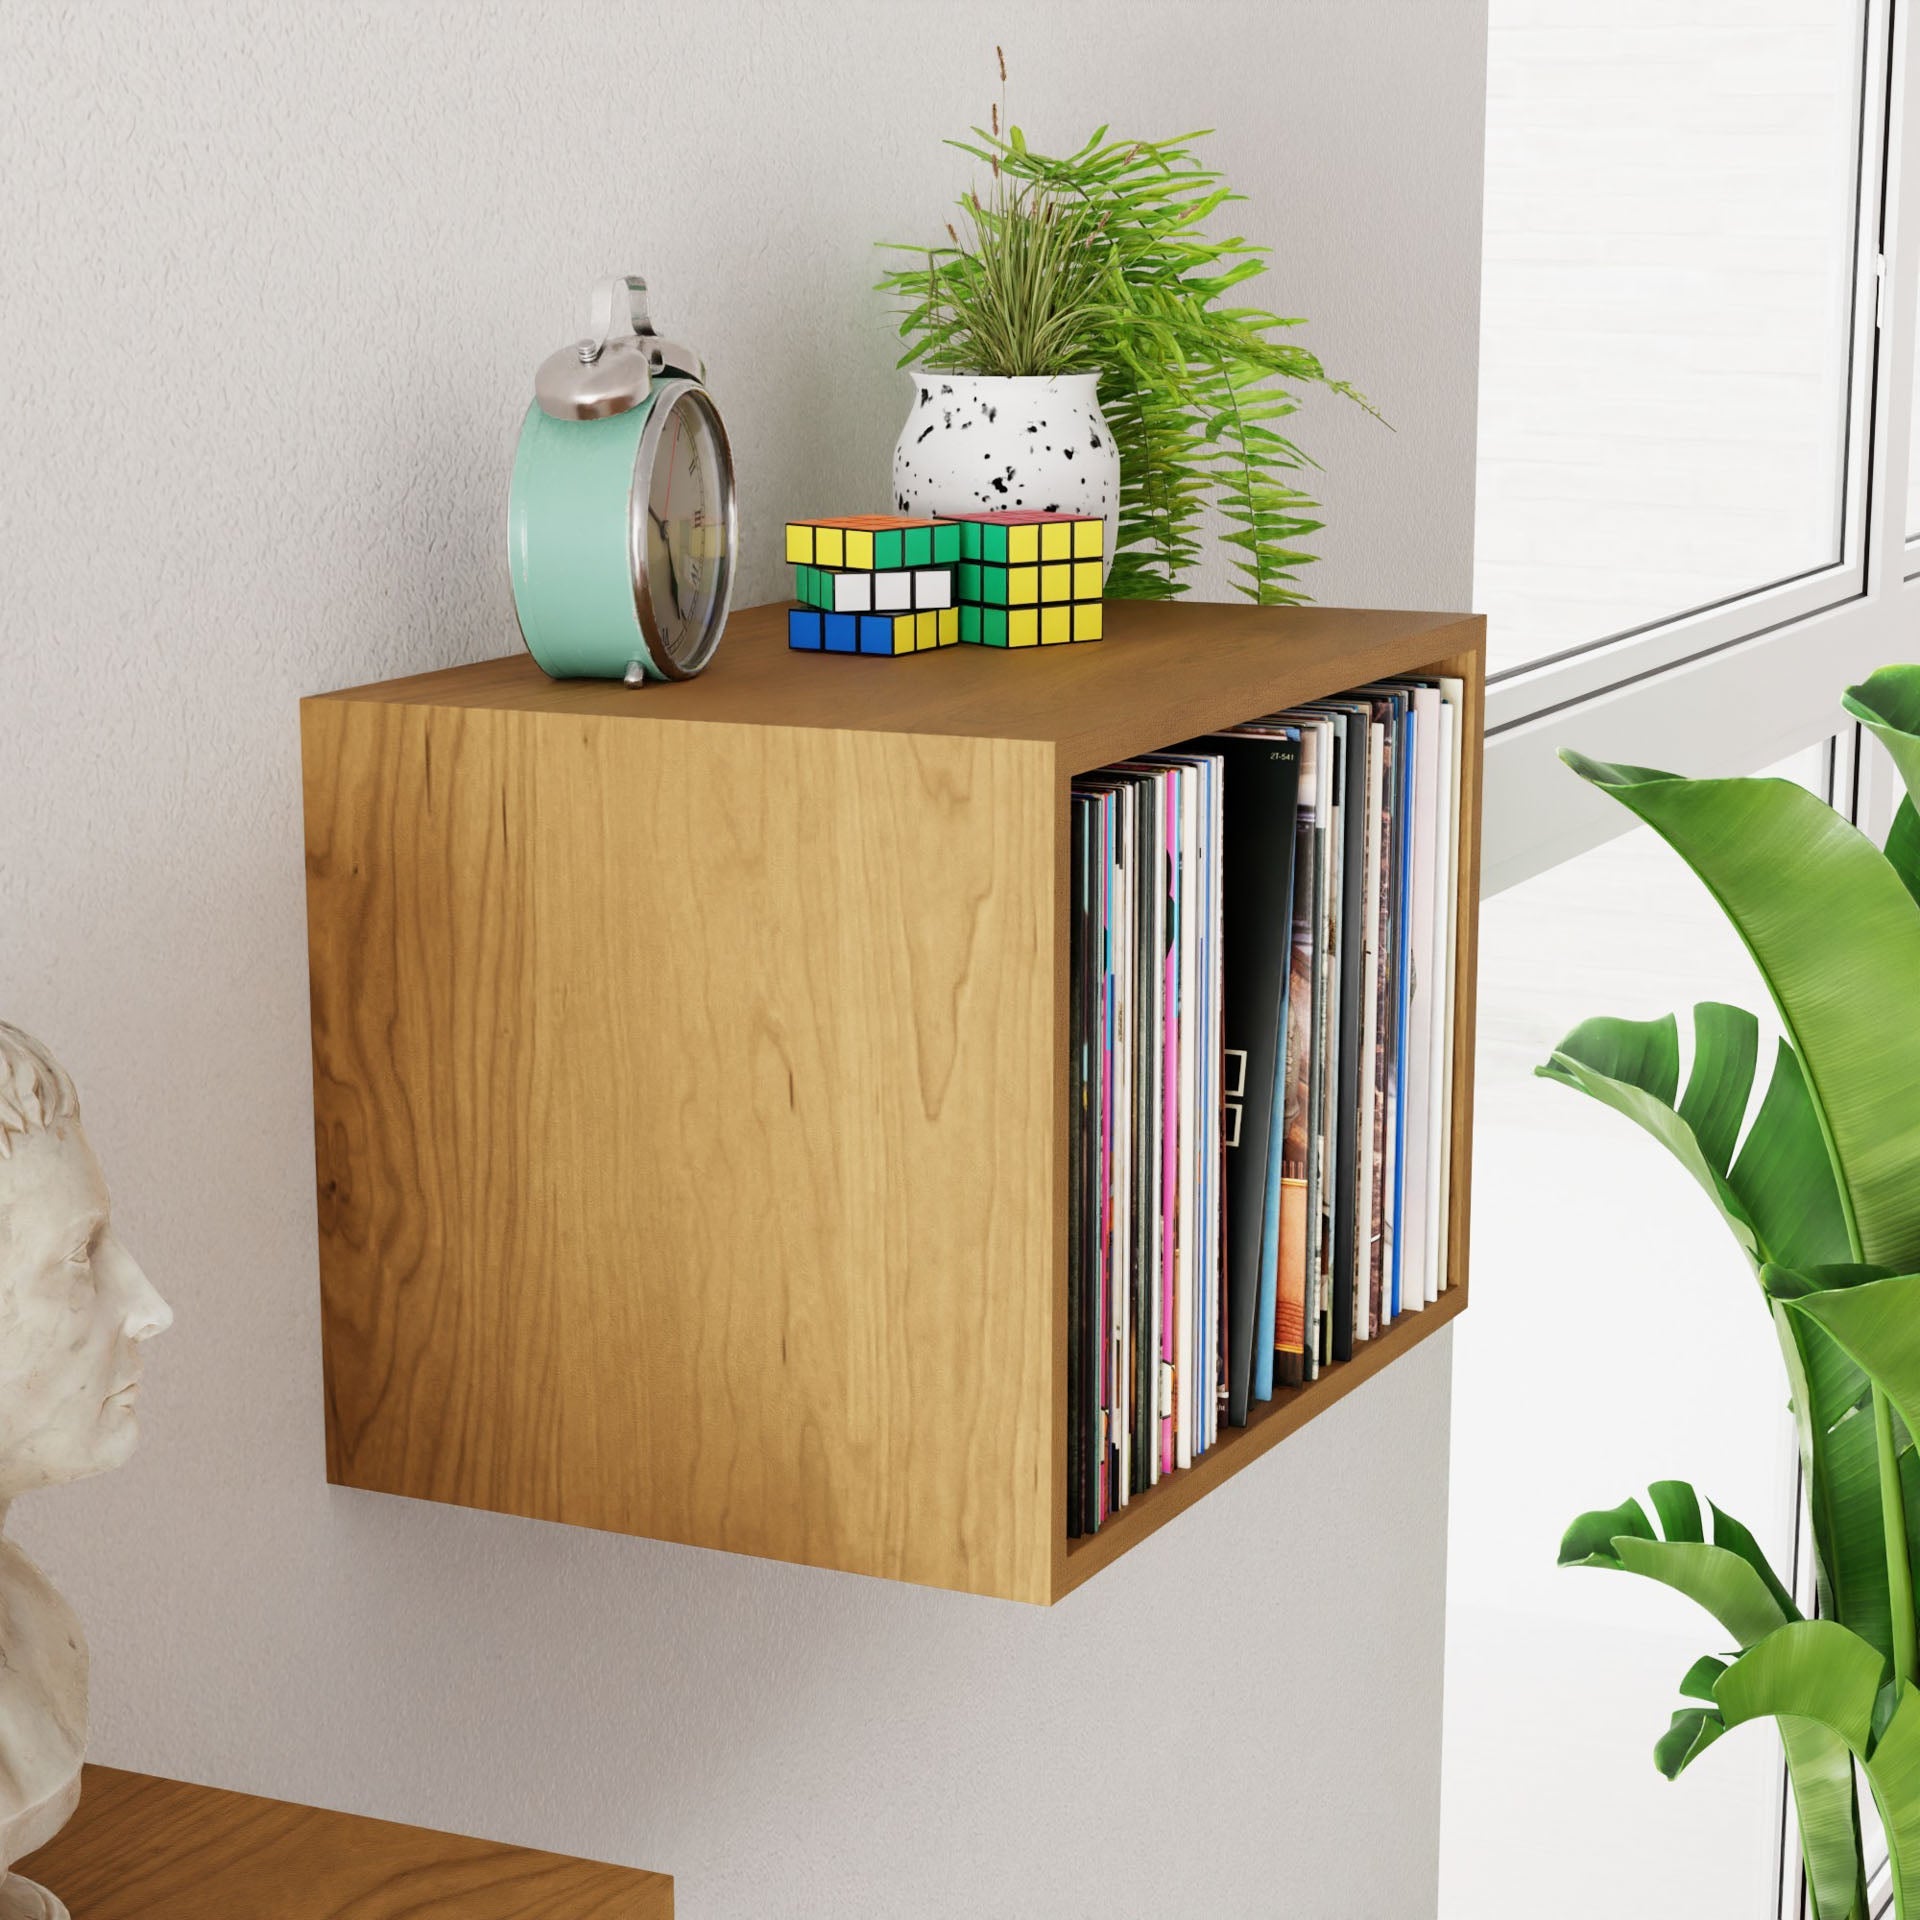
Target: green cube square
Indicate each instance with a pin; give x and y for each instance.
(993, 542)
(969, 539)
(946, 544)
(967, 583)
(993, 627)
(993, 586)
(919, 542)
(803, 588)
(886, 548)
(969, 625)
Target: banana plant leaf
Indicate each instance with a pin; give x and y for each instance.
(1874, 1320)
(1729, 1576)
(1779, 1198)
(1903, 847)
(1779, 1192)
(1839, 949)
(1693, 1731)
(1888, 706)
(1732, 1579)
(1826, 1683)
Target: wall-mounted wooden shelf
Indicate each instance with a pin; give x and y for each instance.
(142, 1848)
(690, 1082)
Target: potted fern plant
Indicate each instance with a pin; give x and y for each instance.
(1079, 345)
(1822, 1193)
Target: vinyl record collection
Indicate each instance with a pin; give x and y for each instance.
(1264, 924)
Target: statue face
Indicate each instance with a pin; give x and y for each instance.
(74, 1309)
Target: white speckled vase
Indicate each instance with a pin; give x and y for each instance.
(976, 441)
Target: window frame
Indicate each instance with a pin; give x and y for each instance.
(1755, 679)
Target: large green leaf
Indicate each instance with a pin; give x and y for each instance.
(1876, 1324)
(1903, 846)
(1726, 1046)
(1834, 1422)
(1887, 704)
(1729, 1576)
(1820, 1681)
(1825, 1804)
(1784, 1176)
(1815, 1669)
(1779, 1198)
(1633, 1066)
(1894, 1775)
(1693, 1731)
(1837, 938)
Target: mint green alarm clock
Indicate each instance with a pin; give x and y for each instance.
(621, 519)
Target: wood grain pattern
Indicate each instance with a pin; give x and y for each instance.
(142, 1848)
(678, 1096)
(690, 1080)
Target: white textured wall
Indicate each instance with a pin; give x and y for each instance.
(274, 282)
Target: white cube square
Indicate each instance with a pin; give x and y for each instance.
(933, 587)
(853, 593)
(892, 592)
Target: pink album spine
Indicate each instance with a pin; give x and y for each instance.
(1170, 1137)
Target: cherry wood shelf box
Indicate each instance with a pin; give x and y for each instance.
(141, 1848)
(690, 1081)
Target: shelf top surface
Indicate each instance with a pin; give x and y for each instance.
(1165, 671)
(144, 1848)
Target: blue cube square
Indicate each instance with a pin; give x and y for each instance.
(876, 633)
(842, 634)
(803, 628)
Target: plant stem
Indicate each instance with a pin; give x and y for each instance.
(1893, 1522)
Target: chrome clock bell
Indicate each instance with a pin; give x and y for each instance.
(621, 520)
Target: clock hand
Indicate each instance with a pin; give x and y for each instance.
(673, 572)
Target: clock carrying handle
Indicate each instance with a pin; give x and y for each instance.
(619, 312)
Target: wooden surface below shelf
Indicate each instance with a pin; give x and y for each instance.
(143, 1848)
(1166, 670)
(1289, 1410)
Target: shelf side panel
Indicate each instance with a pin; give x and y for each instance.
(682, 1102)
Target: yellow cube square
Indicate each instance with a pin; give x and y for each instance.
(1087, 619)
(1056, 626)
(949, 625)
(828, 547)
(1086, 579)
(1023, 627)
(926, 630)
(1056, 583)
(859, 548)
(1023, 545)
(799, 544)
(1056, 540)
(904, 635)
(1088, 539)
(1023, 583)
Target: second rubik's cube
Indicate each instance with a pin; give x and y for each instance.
(1030, 579)
(873, 583)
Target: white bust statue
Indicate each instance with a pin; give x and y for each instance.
(74, 1309)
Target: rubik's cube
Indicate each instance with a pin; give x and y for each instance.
(873, 583)
(1029, 579)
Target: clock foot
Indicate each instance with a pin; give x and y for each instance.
(636, 674)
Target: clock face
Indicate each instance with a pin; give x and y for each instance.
(689, 525)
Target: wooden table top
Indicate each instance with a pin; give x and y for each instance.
(142, 1848)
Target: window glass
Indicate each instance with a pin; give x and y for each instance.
(1670, 239)
(1913, 451)
(1615, 1337)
